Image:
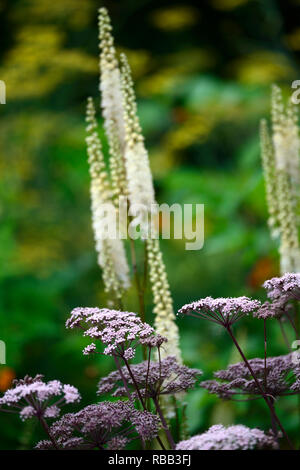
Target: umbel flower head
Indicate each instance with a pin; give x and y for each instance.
(280, 290)
(153, 379)
(33, 397)
(121, 332)
(223, 311)
(107, 425)
(275, 309)
(279, 378)
(284, 288)
(236, 437)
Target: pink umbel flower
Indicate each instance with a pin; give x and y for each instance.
(275, 309)
(153, 379)
(278, 376)
(33, 397)
(286, 287)
(282, 292)
(224, 310)
(121, 332)
(107, 425)
(236, 437)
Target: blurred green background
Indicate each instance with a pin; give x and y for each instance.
(203, 72)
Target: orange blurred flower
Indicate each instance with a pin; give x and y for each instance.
(265, 268)
(91, 371)
(7, 375)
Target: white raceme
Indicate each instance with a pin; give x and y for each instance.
(110, 248)
(280, 156)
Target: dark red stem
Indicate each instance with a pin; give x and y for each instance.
(265, 397)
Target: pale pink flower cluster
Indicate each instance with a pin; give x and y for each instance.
(236, 437)
(285, 287)
(224, 310)
(121, 332)
(107, 425)
(32, 397)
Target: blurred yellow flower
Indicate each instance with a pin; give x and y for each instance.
(161, 162)
(228, 4)
(140, 60)
(160, 82)
(39, 253)
(262, 67)
(177, 67)
(293, 39)
(174, 18)
(72, 12)
(38, 62)
(75, 60)
(195, 129)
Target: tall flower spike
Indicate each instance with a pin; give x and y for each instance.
(289, 243)
(116, 164)
(285, 191)
(110, 81)
(110, 249)
(268, 162)
(164, 322)
(139, 177)
(285, 136)
(293, 166)
(141, 192)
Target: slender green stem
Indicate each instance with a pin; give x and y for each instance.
(139, 289)
(137, 280)
(145, 268)
(121, 305)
